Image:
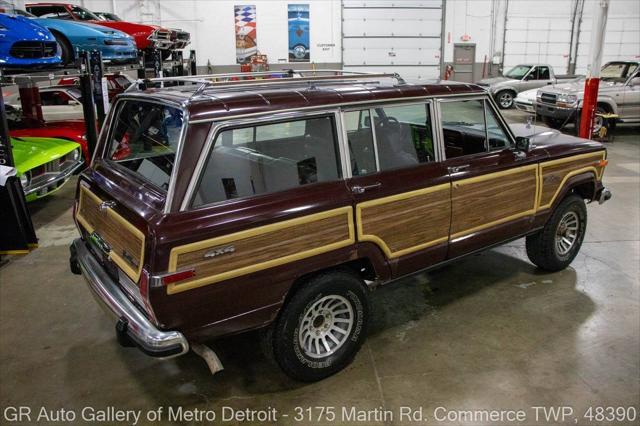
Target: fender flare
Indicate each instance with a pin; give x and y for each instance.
(586, 177)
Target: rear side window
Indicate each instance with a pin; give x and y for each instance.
(273, 157)
(144, 138)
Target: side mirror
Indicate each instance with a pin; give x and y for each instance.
(367, 121)
(522, 144)
(635, 81)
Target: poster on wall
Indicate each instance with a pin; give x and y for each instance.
(299, 33)
(246, 38)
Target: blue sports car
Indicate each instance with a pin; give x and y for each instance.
(25, 43)
(73, 36)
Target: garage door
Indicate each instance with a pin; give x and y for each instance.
(622, 36)
(393, 36)
(536, 35)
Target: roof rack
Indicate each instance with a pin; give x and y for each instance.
(237, 80)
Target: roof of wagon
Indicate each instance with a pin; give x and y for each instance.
(216, 103)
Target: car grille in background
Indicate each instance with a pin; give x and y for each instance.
(162, 35)
(548, 98)
(51, 169)
(33, 49)
(182, 35)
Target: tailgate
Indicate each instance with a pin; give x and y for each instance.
(105, 227)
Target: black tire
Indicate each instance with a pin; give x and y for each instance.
(542, 248)
(504, 99)
(554, 123)
(282, 340)
(66, 51)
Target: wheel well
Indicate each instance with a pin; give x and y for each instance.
(605, 106)
(586, 190)
(513, 92)
(58, 35)
(362, 267)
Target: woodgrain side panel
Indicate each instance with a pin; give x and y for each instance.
(555, 173)
(126, 241)
(492, 199)
(404, 223)
(262, 247)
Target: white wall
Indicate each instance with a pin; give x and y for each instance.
(622, 36)
(537, 31)
(211, 24)
(540, 30)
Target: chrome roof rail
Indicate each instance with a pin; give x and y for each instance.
(281, 77)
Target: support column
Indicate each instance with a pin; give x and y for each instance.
(593, 74)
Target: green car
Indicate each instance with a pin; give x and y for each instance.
(44, 164)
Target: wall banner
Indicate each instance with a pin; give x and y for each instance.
(299, 46)
(246, 38)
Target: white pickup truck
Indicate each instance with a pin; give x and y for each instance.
(520, 78)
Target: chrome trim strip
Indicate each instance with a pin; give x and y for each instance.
(436, 126)
(168, 202)
(62, 176)
(139, 329)
(343, 145)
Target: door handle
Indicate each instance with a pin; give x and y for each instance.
(458, 169)
(362, 189)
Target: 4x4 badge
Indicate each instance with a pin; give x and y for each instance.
(218, 251)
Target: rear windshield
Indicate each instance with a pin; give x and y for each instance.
(144, 138)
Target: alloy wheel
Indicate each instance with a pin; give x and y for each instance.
(325, 326)
(567, 233)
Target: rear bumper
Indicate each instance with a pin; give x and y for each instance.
(132, 327)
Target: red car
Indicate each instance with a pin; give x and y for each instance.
(146, 36)
(73, 130)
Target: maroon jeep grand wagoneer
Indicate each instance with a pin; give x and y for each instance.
(215, 206)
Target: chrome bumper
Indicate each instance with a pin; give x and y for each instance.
(605, 195)
(54, 179)
(132, 326)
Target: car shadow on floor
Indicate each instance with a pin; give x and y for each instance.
(248, 373)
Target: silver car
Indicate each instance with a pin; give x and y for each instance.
(520, 78)
(618, 94)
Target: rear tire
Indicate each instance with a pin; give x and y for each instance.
(304, 340)
(555, 246)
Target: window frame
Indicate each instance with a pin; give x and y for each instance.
(218, 127)
(487, 101)
(106, 132)
(428, 103)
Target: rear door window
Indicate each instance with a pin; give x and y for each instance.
(262, 159)
(145, 138)
(400, 136)
(404, 135)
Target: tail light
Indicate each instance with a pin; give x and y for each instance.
(174, 277)
(147, 282)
